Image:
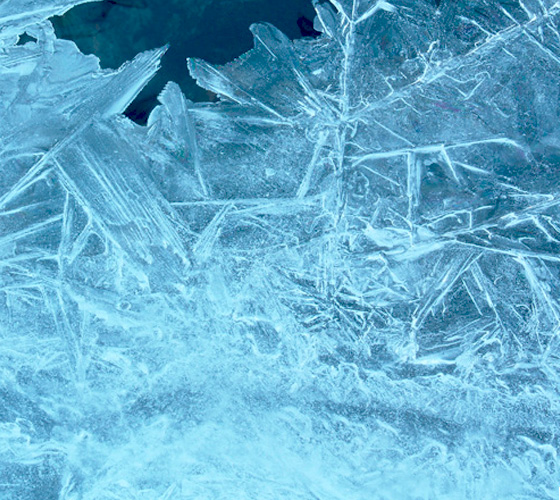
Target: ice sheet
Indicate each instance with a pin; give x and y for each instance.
(338, 282)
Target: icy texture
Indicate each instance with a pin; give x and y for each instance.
(339, 282)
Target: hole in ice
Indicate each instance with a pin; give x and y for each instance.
(306, 27)
(214, 30)
(25, 38)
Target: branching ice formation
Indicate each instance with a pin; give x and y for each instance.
(339, 282)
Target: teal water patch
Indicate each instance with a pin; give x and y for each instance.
(214, 30)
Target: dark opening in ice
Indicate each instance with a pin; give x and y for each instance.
(214, 30)
(25, 38)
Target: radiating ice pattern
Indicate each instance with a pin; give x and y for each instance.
(339, 282)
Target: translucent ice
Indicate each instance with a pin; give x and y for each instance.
(338, 282)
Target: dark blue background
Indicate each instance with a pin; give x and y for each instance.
(215, 30)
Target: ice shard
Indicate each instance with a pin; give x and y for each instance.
(340, 281)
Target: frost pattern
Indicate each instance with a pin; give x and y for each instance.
(339, 282)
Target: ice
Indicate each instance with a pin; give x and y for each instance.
(340, 281)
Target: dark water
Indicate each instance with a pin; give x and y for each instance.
(215, 30)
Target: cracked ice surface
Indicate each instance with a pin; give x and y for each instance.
(339, 282)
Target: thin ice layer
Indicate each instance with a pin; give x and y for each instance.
(16, 15)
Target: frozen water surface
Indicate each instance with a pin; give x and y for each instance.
(338, 282)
